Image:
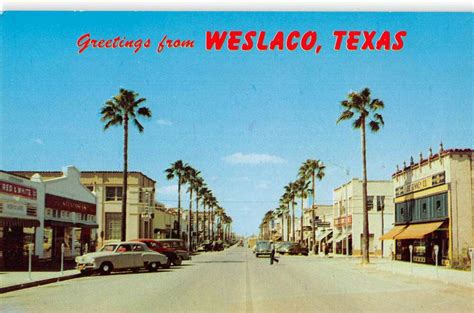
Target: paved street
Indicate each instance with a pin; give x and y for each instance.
(235, 281)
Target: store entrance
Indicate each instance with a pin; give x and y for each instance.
(13, 241)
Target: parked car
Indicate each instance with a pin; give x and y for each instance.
(178, 246)
(121, 256)
(263, 247)
(218, 245)
(163, 248)
(205, 246)
(295, 249)
(283, 247)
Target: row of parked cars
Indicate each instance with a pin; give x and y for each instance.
(136, 254)
(263, 247)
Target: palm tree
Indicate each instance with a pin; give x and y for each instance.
(363, 107)
(204, 192)
(120, 110)
(313, 169)
(177, 169)
(219, 213)
(285, 201)
(302, 192)
(198, 184)
(291, 191)
(190, 175)
(282, 210)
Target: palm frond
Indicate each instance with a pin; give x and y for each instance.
(345, 115)
(374, 126)
(358, 122)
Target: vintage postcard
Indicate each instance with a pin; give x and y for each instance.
(236, 161)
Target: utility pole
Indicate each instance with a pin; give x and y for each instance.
(382, 207)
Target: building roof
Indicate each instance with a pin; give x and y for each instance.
(28, 174)
(431, 158)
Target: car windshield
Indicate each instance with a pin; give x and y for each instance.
(263, 245)
(108, 248)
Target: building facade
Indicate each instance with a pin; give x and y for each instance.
(434, 201)
(348, 217)
(108, 188)
(47, 214)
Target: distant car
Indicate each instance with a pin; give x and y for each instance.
(283, 247)
(263, 247)
(163, 248)
(178, 246)
(205, 246)
(295, 249)
(218, 245)
(121, 256)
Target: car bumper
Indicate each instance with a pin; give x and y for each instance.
(86, 267)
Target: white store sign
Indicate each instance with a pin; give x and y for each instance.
(14, 209)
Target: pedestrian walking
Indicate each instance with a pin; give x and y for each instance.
(272, 254)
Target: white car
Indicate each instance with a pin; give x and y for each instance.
(121, 256)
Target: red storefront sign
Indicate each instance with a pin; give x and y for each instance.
(341, 221)
(66, 204)
(17, 190)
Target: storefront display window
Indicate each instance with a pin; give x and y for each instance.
(47, 242)
(113, 225)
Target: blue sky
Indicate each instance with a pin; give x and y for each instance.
(246, 120)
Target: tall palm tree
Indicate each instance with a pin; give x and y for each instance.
(190, 175)
(302, 192)
(283, 210)
(290, 189)
(363, 108)
(121, 110)
(312, 169)
(219, 214)
(205, 199)
(177, 169)
(198, 184)
(285, 200)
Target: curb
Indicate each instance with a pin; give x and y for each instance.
(38, 283)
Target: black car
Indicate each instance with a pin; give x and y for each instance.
(206, 246)
(296, 249)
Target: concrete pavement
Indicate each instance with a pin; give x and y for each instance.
(236, 281)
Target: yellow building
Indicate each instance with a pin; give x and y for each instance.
(434, 204)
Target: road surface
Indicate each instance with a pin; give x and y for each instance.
(235, 281)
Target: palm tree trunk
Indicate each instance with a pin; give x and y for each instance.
(204, 221)
(288, 223)
(212, 223)
(179, 206)
(197, 218)
(301, 219)
(313, 215)
(123, 235)
(209, 223)
(293, 234)
(365, 240)
(282, 228)
(190, 219)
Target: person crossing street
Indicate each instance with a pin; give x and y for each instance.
(272, 254)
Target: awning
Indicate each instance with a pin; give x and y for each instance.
(418, 231)
(324, 235)
(393, 232)
(18, 222)
(341, 237)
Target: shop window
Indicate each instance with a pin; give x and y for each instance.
(438, 205)
(113, 193)
(113, 225)
(370, 203)
(423, 208)
(47, 242)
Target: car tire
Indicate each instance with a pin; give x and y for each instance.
(106, 268)
(177, 261)
(153, 266)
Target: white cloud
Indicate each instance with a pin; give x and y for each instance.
(252, 158)
(38, 141)
(164, 122)
(262, 185)
(168, 190)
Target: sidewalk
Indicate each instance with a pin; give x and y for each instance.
(10, 281)
(443, 274)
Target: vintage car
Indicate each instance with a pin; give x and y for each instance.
(178, 246)
(263, 247)
(121, 256)
(163, 248)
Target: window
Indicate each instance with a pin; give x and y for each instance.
(423, 210)
(370, 203)
(113, 225)
(438, 205)
(380, 203)
(113, 193)
(124, 248)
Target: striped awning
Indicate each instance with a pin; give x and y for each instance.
(418, 231)
(18, 222)
(393, 232)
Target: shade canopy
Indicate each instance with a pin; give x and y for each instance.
(393, 232)
(418, 231)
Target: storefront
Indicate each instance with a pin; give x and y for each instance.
(70, 217)
(434, 208)
(21, 211)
